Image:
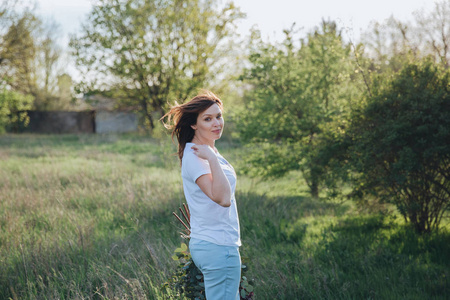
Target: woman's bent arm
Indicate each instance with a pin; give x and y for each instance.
(214, 185)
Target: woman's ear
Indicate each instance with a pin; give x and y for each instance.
(194, 126)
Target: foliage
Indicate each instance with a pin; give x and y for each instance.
(152, 51)
(298, 94)
(400, 144)
(30, 59)
(188, 279)
(13, 107)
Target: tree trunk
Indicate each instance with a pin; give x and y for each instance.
(147, 114)
(314, 187)
(314, 184)
(312, 181)
(150, 120)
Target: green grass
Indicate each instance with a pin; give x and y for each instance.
(89, 217)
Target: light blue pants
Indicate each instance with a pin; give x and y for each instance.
(221, 268)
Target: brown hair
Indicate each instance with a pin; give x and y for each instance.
(185, 115)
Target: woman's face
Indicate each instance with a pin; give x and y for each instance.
(209, 124)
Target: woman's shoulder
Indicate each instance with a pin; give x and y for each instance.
(191, 164)
(188, 151)
(189, 155)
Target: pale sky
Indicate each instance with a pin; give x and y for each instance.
(270, 16)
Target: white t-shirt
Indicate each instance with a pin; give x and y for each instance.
(209, 221)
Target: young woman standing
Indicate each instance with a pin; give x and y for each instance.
(209, 183)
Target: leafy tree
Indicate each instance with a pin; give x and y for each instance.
(153, 51)
(399, 144)
(12, 104)
(29, 57)
(298, 94)
(14, 41)
(7, 8)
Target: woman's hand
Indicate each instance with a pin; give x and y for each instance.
(204, 152)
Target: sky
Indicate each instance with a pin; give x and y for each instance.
(270, 16)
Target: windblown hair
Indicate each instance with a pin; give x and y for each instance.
(183, 116)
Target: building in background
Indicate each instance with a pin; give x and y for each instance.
(99, 116)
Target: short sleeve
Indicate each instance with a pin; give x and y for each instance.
(194, 167)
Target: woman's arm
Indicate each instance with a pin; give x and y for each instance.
(215, 185)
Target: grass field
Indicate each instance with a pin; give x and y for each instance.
(89, 217)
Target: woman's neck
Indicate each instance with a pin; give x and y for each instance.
(199, 141)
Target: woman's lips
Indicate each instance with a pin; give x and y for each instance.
(217, 131)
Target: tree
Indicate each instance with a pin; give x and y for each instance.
(390, 45)
(152, 51)
(298, 94)
(435, 31)
(48, 72)
(29, 57)
(64, 92)
(399, 144)
(395, 42)
(6, 13)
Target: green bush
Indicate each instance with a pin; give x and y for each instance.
(400, 144)
(13, 108)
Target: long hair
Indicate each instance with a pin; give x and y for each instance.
(183, 116)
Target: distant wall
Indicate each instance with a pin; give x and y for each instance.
(61, 122)
(109, 122)
(81, 122)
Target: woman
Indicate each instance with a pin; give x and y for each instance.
(209, 183)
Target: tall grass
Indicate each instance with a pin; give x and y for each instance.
(89, 217)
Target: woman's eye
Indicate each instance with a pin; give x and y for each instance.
(219, 117)
(207, 119)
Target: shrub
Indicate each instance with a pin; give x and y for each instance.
(400, 144)
(13, 108)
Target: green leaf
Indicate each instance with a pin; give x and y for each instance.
(243, 293)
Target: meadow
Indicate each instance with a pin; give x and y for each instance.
(90, 217)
